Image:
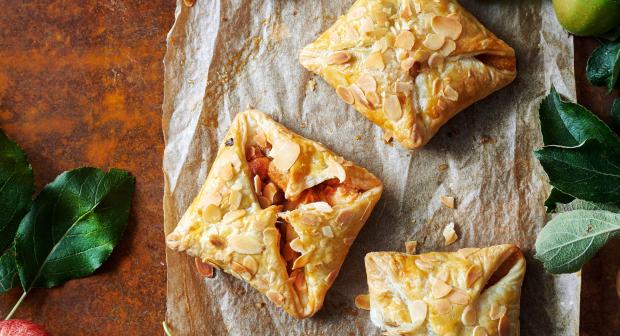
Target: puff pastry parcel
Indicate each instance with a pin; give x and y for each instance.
(475, 291)
(410, 65)
(278, 211)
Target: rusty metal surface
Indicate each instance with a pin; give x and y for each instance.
(600, 305)
(81, 84)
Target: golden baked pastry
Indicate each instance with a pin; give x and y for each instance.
(475, 291)
(410, 65)
(278, 211)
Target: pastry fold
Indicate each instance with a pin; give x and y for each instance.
(410, 65)
(475, 291)
(278, 211)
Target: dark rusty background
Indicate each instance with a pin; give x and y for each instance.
(81, 84)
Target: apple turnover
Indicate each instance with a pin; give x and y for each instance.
(410, 65)
(475, 291)
(278, 211)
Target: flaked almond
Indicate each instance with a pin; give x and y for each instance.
(264, 202)
(270, 192)
(296, 245)
(212, 213)
(381, 18)
(436, 86)
(339, 57)
(366, 26)
(217, 242)
(410, 246)
(345, 94)
(405, 40)
(469, 316)
(450, 93)
(260, 140)
(229, 156)
(233, 215)
(284, 154)
(373, 98)
(358, 95)
(480, 331)
(421, 56)
(235, 199)
(362, 301)
(258, 185)
(391, 108)
(434, 41)
(443, 275)
(448, 48)
(375, 61)
(497, 311)
(459, 297)
(250, 264)
(449, 234)
(367, 83)
(327, 231)
(419, 310)
(442, 306)
(275, 297)
(467, 251)
(407, 63)
(447, 201)
(435, 60)
(387, 137)
(357, 12)
(423, 265)
(403, 87)
(474, 272)
(336, 170)
(244, 244)
(503, 326)
(447, 27)
(417, 6)
(406, 12)
(440, 289)
(302, 260)
(212, 198)
(300, 281)
(227, 172)
(204, 269)
(240, 270)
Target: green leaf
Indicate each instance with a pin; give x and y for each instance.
(73, 225)
(16, 189)
(8, 271)
(615, 114)
(590, 171)
(585, 205)
(603, 66)
(557, 197)
(563, 123)
(570, 239)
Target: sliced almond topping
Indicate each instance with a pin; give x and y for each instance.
(284, 154)
(227, 172)
(362, 301)
(442, 306)
(403, 87)
(320, 206)
(302, 260)
(387, 137)
(275, 297)
(434, 41)
(391, 108)
(443, 275)
(421, 56)
(217, 242)
(480, 331)
(373, 98)
(336, 170)
(448, 48)
(270, 235)
(429, 258)
(327, 231)
(264, 202)
(240, 270)
(244, 244)
(436, 86)
(250, 264)
(447, 27)
(497, 311)
(440, 289)
(235, 199)
(447, 201)
(233, 215)
(503, 326)
(469, 316)
(423, 265)
(358, 95)
(450, 93)
(419, 309)
(467, 251)
(204, 269)
(405, 40)
(367, 83)
(375, 61)
(212, 213)
(406, 11)
(300, 281)
(258, 185)
(212, 198)
(410, 246)
(366, 25)
(296, 245)
(357, 12)
(260, 140)
(345, 94)
(449, 234)
(269, 192)
(339, 57)
(436, 60)
(381, 18)
(473, 274)
(407, 63)
(459, 297)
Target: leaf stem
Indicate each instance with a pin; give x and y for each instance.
(19, 302)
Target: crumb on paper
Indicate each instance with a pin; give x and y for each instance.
(449, 234)
(362, 301)
(302, 125)
(387, 137)
(487, 139)
(358, 137)
(447, 201)
(443, 167)
(312, 84)
(411, 246)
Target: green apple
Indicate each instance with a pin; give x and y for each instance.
(587, 17)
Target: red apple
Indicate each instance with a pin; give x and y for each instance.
(21, 328)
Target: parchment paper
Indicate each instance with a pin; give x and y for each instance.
(226, 55)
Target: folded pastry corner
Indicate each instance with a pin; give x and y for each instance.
(278, 211)
(475, 291)
(410, 65)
